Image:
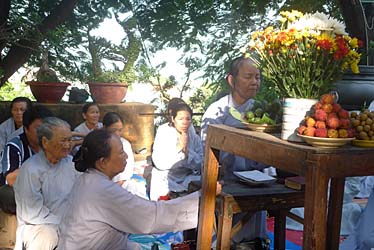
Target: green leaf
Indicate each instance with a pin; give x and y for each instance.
(236, 114)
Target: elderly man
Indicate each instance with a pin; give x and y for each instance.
(42, 186)
(18, 150)
(244, 81)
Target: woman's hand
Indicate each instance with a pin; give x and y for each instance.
(183, 142)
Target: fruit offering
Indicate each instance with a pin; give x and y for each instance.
(363, 123)
(264, 112)
(327, 119)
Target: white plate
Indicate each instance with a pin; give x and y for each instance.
(326, 142)
(255, 177)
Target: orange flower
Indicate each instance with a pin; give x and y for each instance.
(303, 54)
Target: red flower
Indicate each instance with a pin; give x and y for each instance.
(324, 44)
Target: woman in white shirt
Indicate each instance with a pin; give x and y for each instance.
(100, 214)
(91, 116)
(113, 122)
(177, 154)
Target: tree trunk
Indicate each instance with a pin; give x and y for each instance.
(21, 50)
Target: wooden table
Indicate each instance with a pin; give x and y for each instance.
(321, 228)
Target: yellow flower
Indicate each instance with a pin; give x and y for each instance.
(313, 57)
(354, 68)
(353, 42)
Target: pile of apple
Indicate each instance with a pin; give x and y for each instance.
(327, 119)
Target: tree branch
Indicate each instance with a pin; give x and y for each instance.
(4, 14)
(21, 51)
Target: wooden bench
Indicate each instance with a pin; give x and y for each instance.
(8, 227)
(237, 198)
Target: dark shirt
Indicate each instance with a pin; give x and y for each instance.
(16, 151)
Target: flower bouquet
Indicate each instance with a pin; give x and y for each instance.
(302, 55)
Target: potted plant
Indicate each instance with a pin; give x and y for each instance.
(110, 86)
(302, 56)
(47, 88)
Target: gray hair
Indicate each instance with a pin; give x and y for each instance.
(46, 128)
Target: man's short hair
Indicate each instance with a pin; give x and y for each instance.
(34, 113)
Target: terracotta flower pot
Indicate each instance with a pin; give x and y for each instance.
(48, 92)
(105, 93)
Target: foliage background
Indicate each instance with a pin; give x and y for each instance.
(209, 34)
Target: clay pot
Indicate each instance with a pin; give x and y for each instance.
(105, 93)
(48, 92)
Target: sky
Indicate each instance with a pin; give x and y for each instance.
(170, 55)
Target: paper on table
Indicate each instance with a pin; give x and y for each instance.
(254, 175)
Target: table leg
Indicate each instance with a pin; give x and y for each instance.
(280, 229)
(315, 215)
(208, 200)
(334, 215)
(224, 226)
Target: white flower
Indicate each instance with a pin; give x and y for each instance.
(318, 22)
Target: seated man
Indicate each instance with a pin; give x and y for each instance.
(18, 150)
(244, 81)
(42, 186)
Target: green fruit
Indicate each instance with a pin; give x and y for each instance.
(249, 115)
(259, 112)
(251, 120)
(267, 120)
(257, 120)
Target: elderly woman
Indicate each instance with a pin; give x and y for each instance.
(42, 186)
(91, 116)
(101, 214)
(13, 126)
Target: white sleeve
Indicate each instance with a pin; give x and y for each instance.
(165, 153)
(148, 216)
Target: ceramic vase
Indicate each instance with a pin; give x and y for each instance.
(294, 111)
